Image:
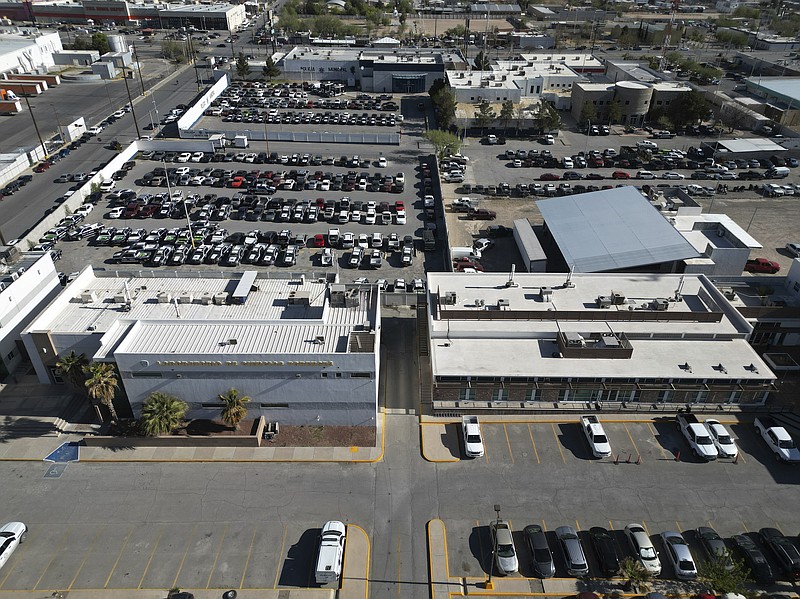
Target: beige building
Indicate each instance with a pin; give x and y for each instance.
(636, 99)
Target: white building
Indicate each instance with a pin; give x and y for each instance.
(25, 289)
(305, 352)
(27, 50)
(587, 338)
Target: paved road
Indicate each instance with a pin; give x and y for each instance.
(20, 212)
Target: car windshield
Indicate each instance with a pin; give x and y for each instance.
(786, 444)
(647, 553)
(505, 550)
(6, 534)
(473, 439)
(4, 547)
(541, 556)
(685, 564)
(704, 440)
(600, 439)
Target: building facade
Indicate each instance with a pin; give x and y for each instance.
(500, 342)
(636, 99)
(305, 352)
(27, 50)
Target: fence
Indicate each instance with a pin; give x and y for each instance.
(384, 139)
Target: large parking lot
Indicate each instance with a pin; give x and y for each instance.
(650, 478)
(768, 219)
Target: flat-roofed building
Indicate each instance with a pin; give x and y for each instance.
(555, 340)
(305, 352)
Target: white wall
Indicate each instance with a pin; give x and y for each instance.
(38, 54)
(197, 109)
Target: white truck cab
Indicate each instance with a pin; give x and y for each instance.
(331, 552)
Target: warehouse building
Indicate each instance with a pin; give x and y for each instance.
(305, 351)
(600, 339)
(28, 49)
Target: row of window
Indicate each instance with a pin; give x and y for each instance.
(588, 395)
(324, 375)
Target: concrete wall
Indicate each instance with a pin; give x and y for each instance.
(296, 395)
(197, 109)
(11, 166)
(38, 53)
(76, 57)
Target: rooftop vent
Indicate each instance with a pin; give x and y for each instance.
(163, 297)
(450, 298)
(503, 304)
(185, 298)
(88, 297)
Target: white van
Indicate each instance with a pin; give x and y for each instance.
(456, 253)
(331, 552)
(777, 172)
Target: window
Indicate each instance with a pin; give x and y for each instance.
(664, 395)
(466, 394)
(268, 405)
(594, 102)
(735, 397)
(499, 395)
(658, 102)
(563, 395)
(11, 355)
(530, 395)
(338, 375)
(796, 287)
(627, 102)
(146, 375)
(360, 375)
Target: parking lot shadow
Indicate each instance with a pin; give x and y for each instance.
(480, 545)
(751, 444)
(670, 439)
(298, 565)
(451, 439)
(571, 439)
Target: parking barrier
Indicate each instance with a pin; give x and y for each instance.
(616, 459)
(678, 456)
(736, 459)
(628, 461)
(638, 459)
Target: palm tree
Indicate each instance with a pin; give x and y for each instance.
(72, 365)
(233, 411)
(637, 577)
(161, 414)
(102, 384)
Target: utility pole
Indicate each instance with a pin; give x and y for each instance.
(139, 67)
(35, 126)
(130, 101)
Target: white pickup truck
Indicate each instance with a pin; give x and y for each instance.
(596, 436)
(696, 434)
(473, 441)
(778, 439)
(331, 552)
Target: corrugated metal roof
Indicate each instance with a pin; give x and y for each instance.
(612, 229)
(755, 144)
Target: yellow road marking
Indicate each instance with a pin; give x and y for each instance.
(149, 561)
(511, 453)
(678, 524)
(636, 449)
(114, 567)
(185, 553)
(485, 453)
(216, 557)
(85, 557)
(740, 456)
(530, 432)
(647, 530)
(660, 448)
(544, 526)
(610, 525)
(561, 451)
(249, 553)
(577, 525)
(60, 547)
(280, 558)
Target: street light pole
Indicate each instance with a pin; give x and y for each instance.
(489, 585)
(58, 122)
(130, 102)
(35, 126)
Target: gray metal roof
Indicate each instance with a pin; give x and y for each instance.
(612, 229)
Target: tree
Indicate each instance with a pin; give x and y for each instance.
(689, 107)
(484, 116)
(444, 142)
(459, 31)
(506, 113)
(720, 577)
(72, 365)
(637, 578)
(161, 414)
(173, 51)
(101, 384)
(444, 103)
(548, 117)
(588, 113)
(100, 43)
(614, 111)
(481, 62)
(242, 66)
(233, 410)
(270, 69)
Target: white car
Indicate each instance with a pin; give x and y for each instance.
(722, 438)
(793, 249)
(645, 175)
(184, 157)
(567, 162)
(326, 258)
(118, 114)
(84, 209)
(108, 185)
(400, 217)
(483, 244)
(596, 436)
(197, 157)
(382, 163)
(94, 130)
(11, 535)
(505, 555)
(679, 555)
(473, 440)
(116, 212)
(672, 176)
(643, 549)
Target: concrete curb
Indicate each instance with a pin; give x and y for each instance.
(355, 571)
(432, 448)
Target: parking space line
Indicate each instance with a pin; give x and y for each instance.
(86, 556)
(535, 452)
(636, 449)
(61, 545)
(185, 553)
(116, 561)
(647, 530)
(544, 526)
(511, 453)
(678, 524)
(653, 432)
(740, 456)
(485, 453)
(558, 443)
(216, 557)
(147, 567)
(280, 558)
(577, 525)
(249, 553)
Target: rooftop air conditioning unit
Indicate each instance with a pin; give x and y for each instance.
(119, 298)
(660, 304)
(164, 297)
(604, 301)
(220, 298)
(450, 298)
(502, 304)
(185, 298)
(88, 297)
(205, 299)
(479, 303)
(547, 294)
(617, 298)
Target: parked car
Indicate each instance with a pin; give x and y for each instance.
(571, 546)
(503, 541)
(783, 550)
(714, 545)
(754, 559)
(543, 565)
(679, 555)
(642, 548)
(11, 535)
(725, 444)
(606, 549)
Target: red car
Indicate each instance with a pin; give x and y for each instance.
(399, 205)
(549, 177)
(131, 210)
(237, 182)
(620, 175)
(41, 167)
(318, 241)
(148, 210)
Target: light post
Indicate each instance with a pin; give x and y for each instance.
(489, 585)
(130, 101)
(58, 122)
(35, 126)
